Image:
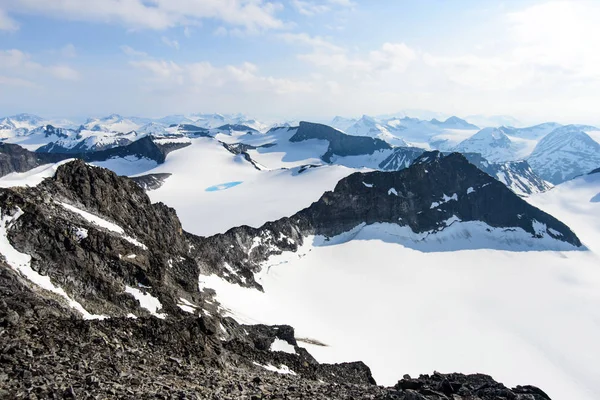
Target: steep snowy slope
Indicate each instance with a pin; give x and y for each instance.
(577, 203)
(492, 143)
(565, 153)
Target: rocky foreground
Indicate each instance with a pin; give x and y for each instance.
(97, 238)
(50, 353)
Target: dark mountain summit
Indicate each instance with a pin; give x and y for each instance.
(340, 144)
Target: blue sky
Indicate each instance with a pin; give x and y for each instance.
(535, 60)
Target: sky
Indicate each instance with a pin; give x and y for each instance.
(301, 59)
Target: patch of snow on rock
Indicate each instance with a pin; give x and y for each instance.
(282, 345)
(147, 301)
(21, 262)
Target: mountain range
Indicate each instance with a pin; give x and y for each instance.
(257, 260)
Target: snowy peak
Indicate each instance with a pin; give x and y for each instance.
(21, 123)
(369, 126)
(491, 143)
(564, 153)
(454, 123)
(342, 123)
(113, 123)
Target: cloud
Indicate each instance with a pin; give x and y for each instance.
(316, 42)
(132, 52)
(253, 15)
(200, 77)
(22, 68)
(69, 51)
(63, 72)
(309, 8)
(171, 43)
(7, 23)
(548, 46)
(390, 57)
(313, 7)
(18, 82)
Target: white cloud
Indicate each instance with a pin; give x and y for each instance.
(69, 51)
(132, 52)
(310, 41)
(22, 68)
(202, 76)
(309, 8)
(7, 23)
(314, 7)
(171, 43)
(252, 15)
(63, 72)
(390, 57)
(12, 81)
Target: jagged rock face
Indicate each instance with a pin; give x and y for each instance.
(151, 181)
(340, 144)
(94, 266)
(516, 175)
(401, 157)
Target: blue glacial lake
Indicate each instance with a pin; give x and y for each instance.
(222, 186)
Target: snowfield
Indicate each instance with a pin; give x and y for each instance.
(201, 169)
(521, 316)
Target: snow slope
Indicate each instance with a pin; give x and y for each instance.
(521, 316)
(492, 143)
(565, 153)
(577, 204)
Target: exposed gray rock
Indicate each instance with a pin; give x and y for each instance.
(340, 144)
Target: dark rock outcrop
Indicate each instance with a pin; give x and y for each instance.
(340, 144)
(151, 181)
(516, 175)
(14, 158)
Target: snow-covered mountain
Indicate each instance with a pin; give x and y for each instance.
(368, 126)
(342, 123)
(492, 143)
(454, 123)
(21, 121)
(535, 132)
(114, 123)
(565, 153)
